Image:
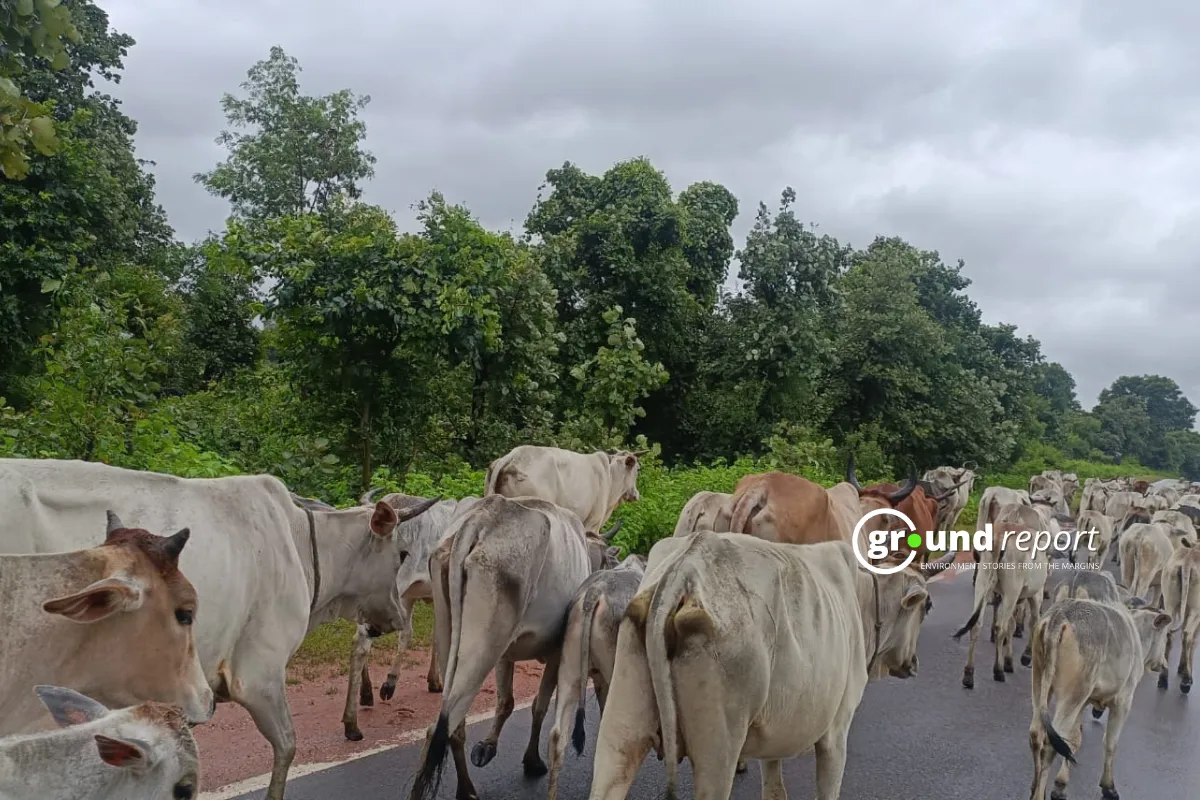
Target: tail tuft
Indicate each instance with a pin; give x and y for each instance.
(970, 624)
(578, 734)
(1060, 745)
(429, 777)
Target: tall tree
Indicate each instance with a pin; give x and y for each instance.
(302, 153)
(1168, 408)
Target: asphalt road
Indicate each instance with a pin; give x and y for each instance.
(926, 738)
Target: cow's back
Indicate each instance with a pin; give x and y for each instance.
(578, 482)
(241, 557)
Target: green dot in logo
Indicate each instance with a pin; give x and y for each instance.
(914, 540)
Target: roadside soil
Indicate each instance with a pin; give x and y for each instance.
(232, 749)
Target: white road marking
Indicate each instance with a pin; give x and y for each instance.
(408, 737)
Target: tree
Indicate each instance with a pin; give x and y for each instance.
(1165, 403)
(30, 30)
(303, 152)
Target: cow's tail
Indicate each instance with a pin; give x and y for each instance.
(674, 613)
(1185, 588)
(495, 474)
(1050, 646)
(1135, 556)
(983, 592)
(747, 507)
(588, 613)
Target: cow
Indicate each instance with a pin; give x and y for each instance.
(1096, 536)
(253, 563)
(392, 610)
(1023, 583)
(1070, 486)
(140, 752)
(962, 481)
(1145, 549)
(1181, 600)
(736, 647)
(1087, 652)
(847, 507)
(779, 507)
(1141, 486)
(709, 511)
(514, 567)
(909, 499)
(1051, 488)
(1179, 525)
(1118, 504)
(1134, 516)
(994, 497)
(1192, 500)
(1091, 584)
(589, 650)
(115, 620)
(1095, 496)
(591, 485)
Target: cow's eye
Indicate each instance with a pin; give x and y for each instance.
(184, 616)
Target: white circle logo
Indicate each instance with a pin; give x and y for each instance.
(912, 554)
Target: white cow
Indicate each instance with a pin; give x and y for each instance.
(392, 610)
(737, 647)
(140, 752)
(705, 511)
(252, 563)
(1181, 599)
(1119, 503)
(515, 565)
(1096, 536)
(591, 485)
(955, 484)
(1145, 549)
(114, 620)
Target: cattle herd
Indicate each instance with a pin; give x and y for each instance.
(133, 602)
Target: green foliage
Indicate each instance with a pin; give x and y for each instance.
(304, 153)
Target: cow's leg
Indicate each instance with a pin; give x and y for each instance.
(387, 689)
(831, 760)
(1004, 630)
(1164, 681)
(483, 752)
(772, 780)
(566, 708)
(629, 724)
(969, 670)
(433, 678)
(458, 750)
(1068, 721)
(1035, 613)
(1187, 655)
(266, 700)
(1117, 714)
(359, 682)
(601, 687)
(532, 762)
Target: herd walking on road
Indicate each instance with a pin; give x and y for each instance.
(131, 603)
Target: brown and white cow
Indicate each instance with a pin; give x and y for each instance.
(140, 752)
(115, 621)
(736, 647)
(591, 485)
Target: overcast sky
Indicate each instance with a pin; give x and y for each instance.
(1052, 146)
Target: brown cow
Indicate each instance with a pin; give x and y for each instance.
(909, 499)
(779, 507)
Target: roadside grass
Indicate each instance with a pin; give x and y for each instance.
(327, 649)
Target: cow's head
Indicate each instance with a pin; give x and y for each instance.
(151, 742)
(623, 472)
(135, 612)
(903, 602)
(1152, 627)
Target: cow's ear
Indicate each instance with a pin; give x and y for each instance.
(384, 519)
(69, 707)
(102, 599)
(912, 597)
(1162, 621)
(128, 753)
(631, 461)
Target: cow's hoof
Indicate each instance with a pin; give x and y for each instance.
(969, 677)
(353, 733)
(387, 689)
(1026, 658)
(1097, 712)
(998, 675)
(466, 794)
(534, 767)
(1110, 793)
(1019, 633)
(435, 687)
(483, 753)
(993, 637)
(741, 767)
(1185, 686)
(1164, 682)
(1058, 794)
(1008, 667)
(366, 697)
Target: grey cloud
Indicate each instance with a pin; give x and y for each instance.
(1050, 146)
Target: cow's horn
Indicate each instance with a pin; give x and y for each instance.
(173, 546)
(910, 486)
(851, 478)
(611, 532)
(940, 497)
(405, 514)
(114, 522)
(971, 465)
(369, 498)
(640, 453)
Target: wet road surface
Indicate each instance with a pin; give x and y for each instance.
(926, 738)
